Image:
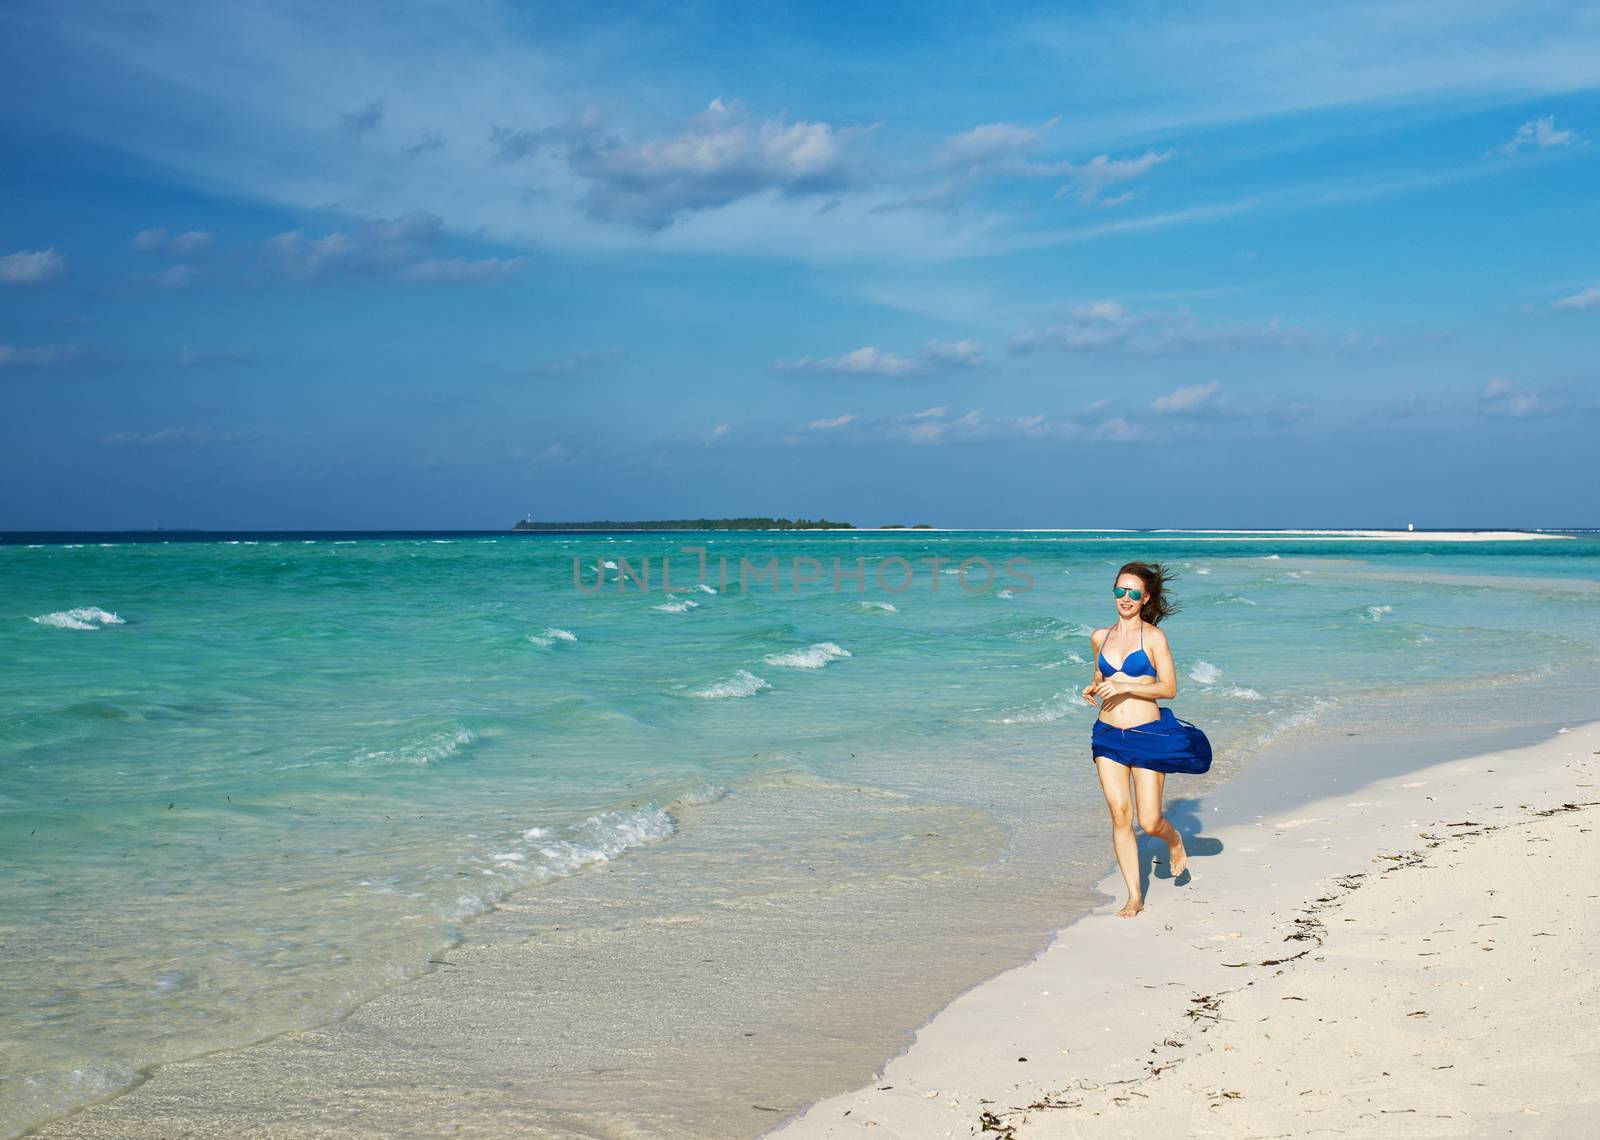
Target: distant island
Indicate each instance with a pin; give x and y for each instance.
(691, 524)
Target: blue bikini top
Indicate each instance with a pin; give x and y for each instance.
(1129, 668)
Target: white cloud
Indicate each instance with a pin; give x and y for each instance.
(174, 277)
(863, 361)
(397, 250)
(1585, 299)
(459, 270)
(933, 426)
(1187, 401)
(1096, 324)
(184, 244)
(1541, 134)
(41, 356)
(989, 141)
(958, 353)
(1090, 179)
(836, 422)
(719, 157)
(175, 437)
(1109, 325)
(720, 431)
(1500, 397)
(31, 267)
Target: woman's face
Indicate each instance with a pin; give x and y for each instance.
(1126, 606)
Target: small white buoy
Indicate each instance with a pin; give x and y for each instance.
(1411, 526)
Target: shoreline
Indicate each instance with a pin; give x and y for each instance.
(1115, 1002)
(220, 1092)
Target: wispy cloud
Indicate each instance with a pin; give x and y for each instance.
(1584, 299)
(1209, 402)
(32, 267)
(1187, 401)
(194, 357)
(1539, 134)
(397, 250)
(990, 141)
(872, 361)
(183, 245)
(176, 437)
(938, 425)
(867, 361)
(174, 277)
(573, 362)
(38, 356)
(1500, 397)
(1109, 325)
(832, 424)
(1089, 180)
(956, 353)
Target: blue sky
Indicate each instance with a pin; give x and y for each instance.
(442, 265)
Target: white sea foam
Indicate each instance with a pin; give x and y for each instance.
(1376, 612)
(742, 684)
(598, 839)
(811, 657)
(551, 637)
(1072, 659)
(1238, 692)
(1006, 594)
(1202, 569)
(886, 607)
(426, 749)
(703, 588)
(1045, 711)
(84, 617)
(1205, 673)
(681, 606)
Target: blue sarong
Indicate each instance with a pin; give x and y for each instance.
(1164, 745)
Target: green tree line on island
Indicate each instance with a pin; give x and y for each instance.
(752, 523)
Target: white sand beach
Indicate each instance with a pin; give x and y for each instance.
(1416, 959)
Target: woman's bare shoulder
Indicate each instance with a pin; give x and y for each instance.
(1155, 634)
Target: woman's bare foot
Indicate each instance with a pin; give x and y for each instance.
(1130, 908)
(1177, 857)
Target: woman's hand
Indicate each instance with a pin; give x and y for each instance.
(1105, 690)
(1088, 691)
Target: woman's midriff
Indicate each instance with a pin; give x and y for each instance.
(1129, 711)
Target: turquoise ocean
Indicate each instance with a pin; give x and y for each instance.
(250, 781)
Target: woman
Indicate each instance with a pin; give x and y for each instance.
(1133, 734)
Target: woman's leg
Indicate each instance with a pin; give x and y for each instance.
(1147, 787)
(1114, 783)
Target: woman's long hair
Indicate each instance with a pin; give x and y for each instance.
(1155, 576)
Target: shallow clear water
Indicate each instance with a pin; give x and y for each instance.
(246, 784)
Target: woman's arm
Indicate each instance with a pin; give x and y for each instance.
(1094, 658)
